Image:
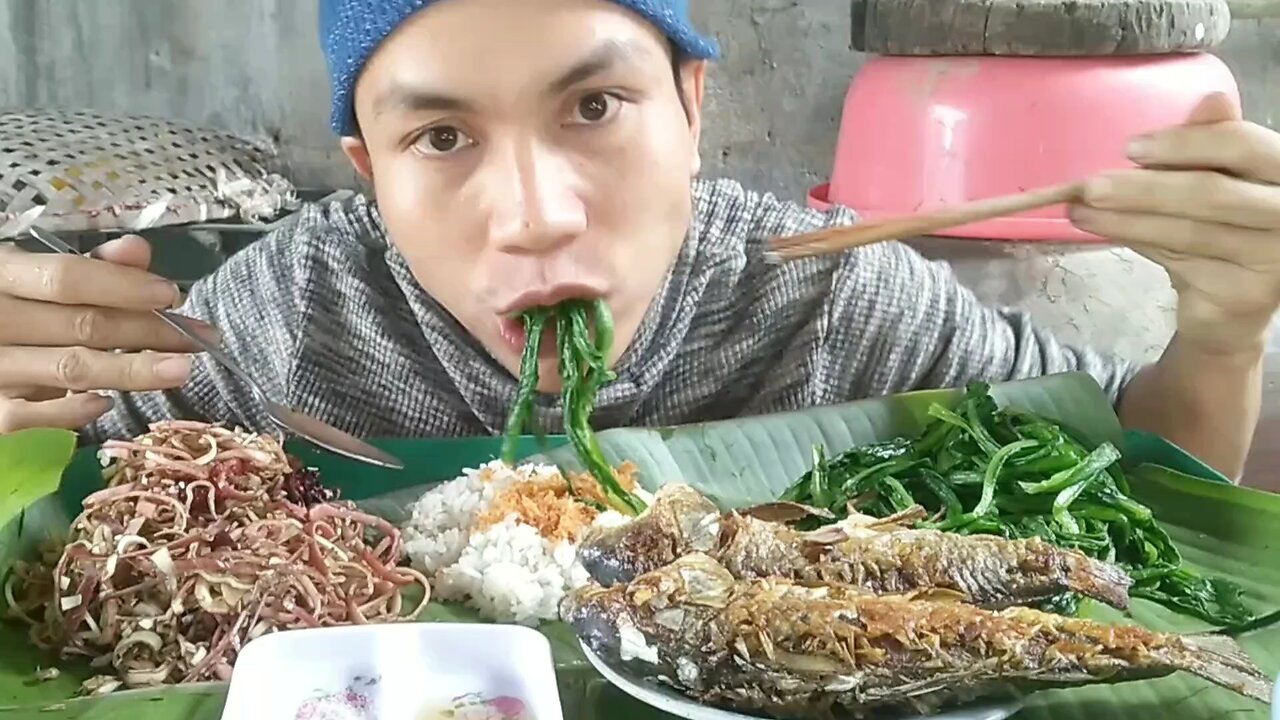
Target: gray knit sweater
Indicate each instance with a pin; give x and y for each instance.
(325, 312)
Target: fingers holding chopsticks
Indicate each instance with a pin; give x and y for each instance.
(1205, 205)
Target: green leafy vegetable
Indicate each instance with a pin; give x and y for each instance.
(534, 322)
(995, 463)
(583, 370)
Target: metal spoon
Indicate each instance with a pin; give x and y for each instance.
(309, 428)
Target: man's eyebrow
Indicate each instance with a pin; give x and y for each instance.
(602, 58)
(407, 97)
(401, 96)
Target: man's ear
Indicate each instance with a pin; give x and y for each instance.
(693, 77)
(358, 153)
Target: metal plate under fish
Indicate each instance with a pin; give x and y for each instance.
(674, 703)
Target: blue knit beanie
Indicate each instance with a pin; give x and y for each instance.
(350, 30)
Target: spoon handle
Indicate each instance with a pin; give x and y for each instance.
(183, 325)
(176, 321)
(310, 428)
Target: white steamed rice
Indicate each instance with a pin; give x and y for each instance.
(508, 572)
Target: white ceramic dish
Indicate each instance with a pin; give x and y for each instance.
(1275, 700)
(672, 702)
(411, 671)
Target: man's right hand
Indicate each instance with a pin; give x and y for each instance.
(61, 320)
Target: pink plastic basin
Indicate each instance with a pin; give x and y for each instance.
(917, 133)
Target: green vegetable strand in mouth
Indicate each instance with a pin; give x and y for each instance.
(583, 370)
(535, 321)
(1010, 473)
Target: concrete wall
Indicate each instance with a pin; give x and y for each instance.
(255, 66)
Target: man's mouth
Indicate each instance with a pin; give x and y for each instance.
(511, 328)
(511, 324)
(550, 296)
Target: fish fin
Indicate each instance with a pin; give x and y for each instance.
(862, 526)
(829, 535)
(929, 594)
(1102, 581)
(1220, 660)
(927, 685)
(938, 595)
(901, 518)
(889, 523)
(785, 512)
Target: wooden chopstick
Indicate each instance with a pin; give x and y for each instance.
(836, 239)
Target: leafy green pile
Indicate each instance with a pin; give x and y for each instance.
(583, 370)
(982, 469)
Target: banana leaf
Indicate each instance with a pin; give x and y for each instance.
(39, 456)
(1220, 528)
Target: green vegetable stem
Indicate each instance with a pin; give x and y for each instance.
(534, 322)
(583, 370)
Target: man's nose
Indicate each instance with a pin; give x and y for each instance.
(534, 203)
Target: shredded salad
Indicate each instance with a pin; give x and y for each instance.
(204, 539)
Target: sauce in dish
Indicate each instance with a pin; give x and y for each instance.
(479, 707)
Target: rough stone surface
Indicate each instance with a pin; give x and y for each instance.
(1038, 27)
(773, 106)
(1089, 294)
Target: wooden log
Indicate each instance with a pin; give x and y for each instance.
(1038, 27)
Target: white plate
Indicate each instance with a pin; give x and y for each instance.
(410, 671)
(672, 702)
(1275, 700)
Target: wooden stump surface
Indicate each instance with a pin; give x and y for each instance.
(1038, 27)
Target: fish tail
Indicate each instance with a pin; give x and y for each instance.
(1220, 660)
(1102, 581)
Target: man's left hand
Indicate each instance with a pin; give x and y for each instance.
(1205, 204)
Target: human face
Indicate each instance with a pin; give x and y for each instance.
(525, 152)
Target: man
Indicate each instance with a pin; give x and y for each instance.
(522, 152)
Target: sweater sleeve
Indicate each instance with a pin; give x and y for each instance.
(896, 322)
(255, 300)
(899, 322)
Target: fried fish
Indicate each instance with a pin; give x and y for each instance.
(880, 556)
(798, 651)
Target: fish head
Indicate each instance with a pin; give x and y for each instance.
(665, 608)
(679, 521)
(594, 613)
(617, 625)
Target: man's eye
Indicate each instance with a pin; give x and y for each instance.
(595, 108)
(442, 140)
